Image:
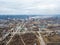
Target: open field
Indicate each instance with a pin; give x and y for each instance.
(24, 39)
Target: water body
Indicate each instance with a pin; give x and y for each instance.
(15, 16)
(23, 16)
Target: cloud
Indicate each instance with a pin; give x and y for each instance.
(36, 7)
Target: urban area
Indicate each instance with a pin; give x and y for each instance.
(31, 31)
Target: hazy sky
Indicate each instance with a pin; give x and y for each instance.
(37, 7)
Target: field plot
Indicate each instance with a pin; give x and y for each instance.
(24, 39)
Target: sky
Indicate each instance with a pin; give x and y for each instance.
(29, 7)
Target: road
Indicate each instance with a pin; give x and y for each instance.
(17, 29)
(41, 39)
